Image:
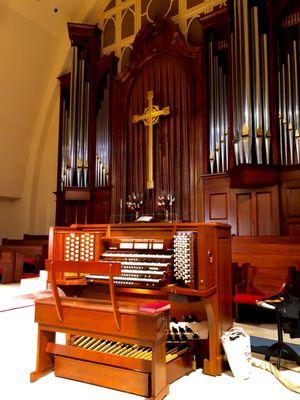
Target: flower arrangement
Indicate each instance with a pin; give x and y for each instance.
(165, 202)
(134, 203)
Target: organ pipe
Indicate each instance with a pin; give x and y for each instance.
(296, 102)
(218, 118)
(288, 89)
(74, 165)
(266, 103)
(257, 87)
(102, 139)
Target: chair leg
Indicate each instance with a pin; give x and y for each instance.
(279, 348)
(237, 316)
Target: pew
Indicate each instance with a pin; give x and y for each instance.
(28, 236)
(267, 259)
(11, 266)
(33, 249)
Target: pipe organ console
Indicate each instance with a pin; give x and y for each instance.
(187, 264)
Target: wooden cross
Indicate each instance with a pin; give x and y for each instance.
(150, 117)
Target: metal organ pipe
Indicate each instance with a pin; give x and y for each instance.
(240, 78)
(234, 97)
(289, 111)
(247, 111)
(280, 117)
(80, 118)
(284, 114)
(226, 122)
(211, 109)
(86, 137)
(72, 125)
(257, 87)
(296, 101)
(266, 102)
(75, 126)
(217, 116)
(222, 124)
(102, 140)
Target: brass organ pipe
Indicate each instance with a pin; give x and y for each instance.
(290, 111)
(266, 102)
(257, 87)
(211, 109)
(296, 102)
(247, 112)
(284, 115)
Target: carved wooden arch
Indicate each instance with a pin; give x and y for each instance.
(159, 49)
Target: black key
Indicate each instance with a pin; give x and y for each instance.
(195, 336)
(174, 330)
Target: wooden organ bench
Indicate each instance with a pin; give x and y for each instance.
(112, 269)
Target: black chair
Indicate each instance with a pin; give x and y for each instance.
(287, 308)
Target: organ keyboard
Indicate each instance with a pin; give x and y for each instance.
(144, 264)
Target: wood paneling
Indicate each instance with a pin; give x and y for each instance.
(216, 198)
(161, 61)
(252, 211)
(293, 201)
(272, 256)
(290, 201)
(218, 206)
(264, 213)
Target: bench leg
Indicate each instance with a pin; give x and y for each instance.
(44, 361)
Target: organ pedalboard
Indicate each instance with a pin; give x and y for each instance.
(179, 341)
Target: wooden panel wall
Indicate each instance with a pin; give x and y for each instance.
(252, 211)
(173, 136)
(161, 61)
(290, 202)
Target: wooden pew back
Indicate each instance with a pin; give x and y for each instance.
(272, 256)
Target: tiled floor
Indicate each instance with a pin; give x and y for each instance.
(17, 360)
